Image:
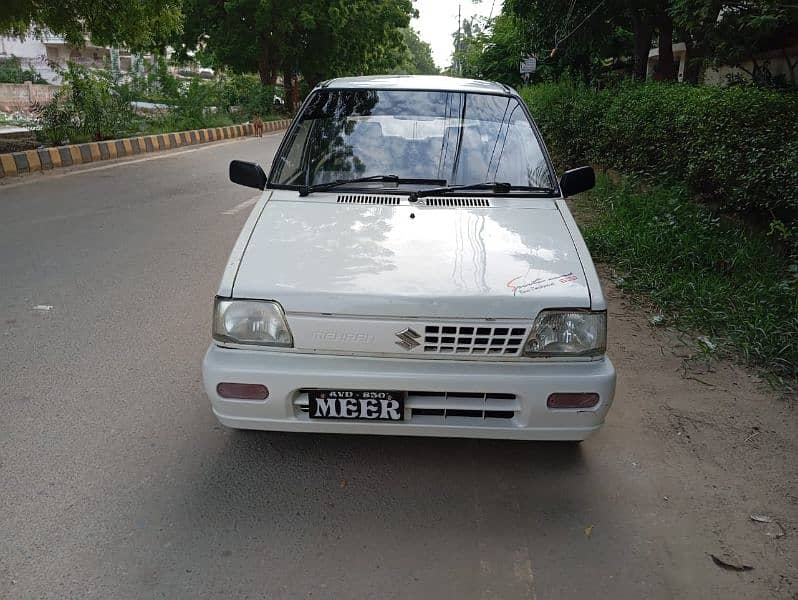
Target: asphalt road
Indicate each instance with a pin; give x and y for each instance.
(117, 482)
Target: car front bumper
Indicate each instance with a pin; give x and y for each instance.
(444, 398)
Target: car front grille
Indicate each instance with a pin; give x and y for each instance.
(440, 407)
(473, 339)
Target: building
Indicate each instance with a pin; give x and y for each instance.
(780, 63)
(39, 53)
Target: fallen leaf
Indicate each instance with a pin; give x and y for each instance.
(343, 483)
(588, 531)
(729, 566)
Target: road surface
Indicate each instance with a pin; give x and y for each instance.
(117, 482)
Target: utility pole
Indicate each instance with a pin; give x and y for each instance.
(458, 66)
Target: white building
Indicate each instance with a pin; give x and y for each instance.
(778, 62)
(39, 52)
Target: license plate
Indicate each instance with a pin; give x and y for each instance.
(368, 405)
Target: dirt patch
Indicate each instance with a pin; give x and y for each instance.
(722, 445)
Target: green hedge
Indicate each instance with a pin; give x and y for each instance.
(736, 147)
(705, 274)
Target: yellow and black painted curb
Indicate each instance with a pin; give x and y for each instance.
(43, 159)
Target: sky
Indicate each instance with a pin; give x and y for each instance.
(437, 20)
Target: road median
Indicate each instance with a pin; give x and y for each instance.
(45, 159)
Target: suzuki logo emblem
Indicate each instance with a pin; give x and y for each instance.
(407, 338)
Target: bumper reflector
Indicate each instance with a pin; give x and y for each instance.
(243, 391)
(586, 400)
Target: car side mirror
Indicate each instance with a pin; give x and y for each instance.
(247, 173)
(577, 180)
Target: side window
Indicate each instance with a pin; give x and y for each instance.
(288, 168)
(520, 159)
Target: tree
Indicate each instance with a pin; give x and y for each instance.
(696, 20)
(745, 29)
(502, 51)
(417, 57)
(580, 36)
(137, 25)
(732, 32)
(317, 38)
(469, 42)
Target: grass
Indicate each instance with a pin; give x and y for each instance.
(706, 275)
(172, 123)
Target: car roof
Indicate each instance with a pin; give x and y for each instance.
(418, 82)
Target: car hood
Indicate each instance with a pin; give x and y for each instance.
(315, 256)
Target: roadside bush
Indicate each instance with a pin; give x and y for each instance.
(735, 147)
(11, 71)
(246, 96)
(706, 274)
(87, 107)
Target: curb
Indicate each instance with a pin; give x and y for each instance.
(44, 159)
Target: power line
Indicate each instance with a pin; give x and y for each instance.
(575, 29)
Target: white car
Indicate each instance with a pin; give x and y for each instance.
(411, 269)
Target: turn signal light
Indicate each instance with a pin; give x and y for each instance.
(243, 391)
(588, 400)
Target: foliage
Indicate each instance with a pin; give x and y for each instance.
(417, 56)
(183, 120)
(586, 39)
(246, 96)
(706, 274)
(490, 49)
(94, 105)
(317, 38)
(579, 37)
(141, 24)
(735, 147)
(150, 82)
(735, 31)
(87, 107)
(11, 71)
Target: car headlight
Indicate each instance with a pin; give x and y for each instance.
(567, 333)
(250, 322)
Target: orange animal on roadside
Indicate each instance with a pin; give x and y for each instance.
(257, 124)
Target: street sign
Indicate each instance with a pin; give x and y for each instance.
(529, 65)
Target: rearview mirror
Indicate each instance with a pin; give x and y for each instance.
(247, 173)
(577, 180)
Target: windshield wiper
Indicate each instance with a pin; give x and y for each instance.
(496, 187)
(309, 189)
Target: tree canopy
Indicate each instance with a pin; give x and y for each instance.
(417, 56)
(318, 38)
(138, 25)
(586, 38)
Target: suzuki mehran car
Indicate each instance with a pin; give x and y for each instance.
(411, 268)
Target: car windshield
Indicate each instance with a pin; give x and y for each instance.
(459, 138)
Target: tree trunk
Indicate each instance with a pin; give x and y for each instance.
(643, 30)
(698, 43)
(267, 63)
(666, 69)
(790, 65)
(288, 83)
(696, 57)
